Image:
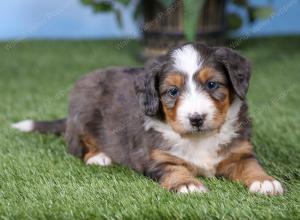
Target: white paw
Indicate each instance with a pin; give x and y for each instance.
(100, 159)
(192, 188)
(267, 187)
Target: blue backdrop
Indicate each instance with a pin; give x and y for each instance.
(28, 19)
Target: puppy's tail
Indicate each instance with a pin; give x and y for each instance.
(56, 127)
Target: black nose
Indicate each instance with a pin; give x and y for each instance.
(197, 120)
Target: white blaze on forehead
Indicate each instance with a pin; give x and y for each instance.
(187, 59)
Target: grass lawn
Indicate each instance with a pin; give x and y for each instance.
(39, 180)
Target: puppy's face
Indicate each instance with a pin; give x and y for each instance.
(194, 86)
(196, 102)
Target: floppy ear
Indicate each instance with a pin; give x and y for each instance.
(238, 69)
(147, 90)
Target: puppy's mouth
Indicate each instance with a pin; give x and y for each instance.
(199, 131)
(194, 131)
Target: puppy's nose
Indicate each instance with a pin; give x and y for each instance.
(197, 120)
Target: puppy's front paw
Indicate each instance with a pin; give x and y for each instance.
(266, 187)
(191, 188)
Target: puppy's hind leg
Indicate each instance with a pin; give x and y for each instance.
(93, 155)
(97, 158)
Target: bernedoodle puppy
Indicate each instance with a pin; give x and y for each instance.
(184, 114)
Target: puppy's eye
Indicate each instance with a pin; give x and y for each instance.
(212, 85)
(173, 92)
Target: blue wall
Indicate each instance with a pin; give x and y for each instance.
(284, 20)
(27, 19)
(59, 19)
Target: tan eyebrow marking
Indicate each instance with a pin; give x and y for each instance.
(210, 73)
(205, 74)
(175, 79)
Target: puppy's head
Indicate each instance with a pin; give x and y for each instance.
(193, 86)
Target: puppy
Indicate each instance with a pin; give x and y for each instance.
(185, 114)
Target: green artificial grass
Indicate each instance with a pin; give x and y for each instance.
(39, 180)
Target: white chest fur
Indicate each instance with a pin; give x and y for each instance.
(201, 151)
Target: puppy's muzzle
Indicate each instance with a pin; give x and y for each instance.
(197, 120)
